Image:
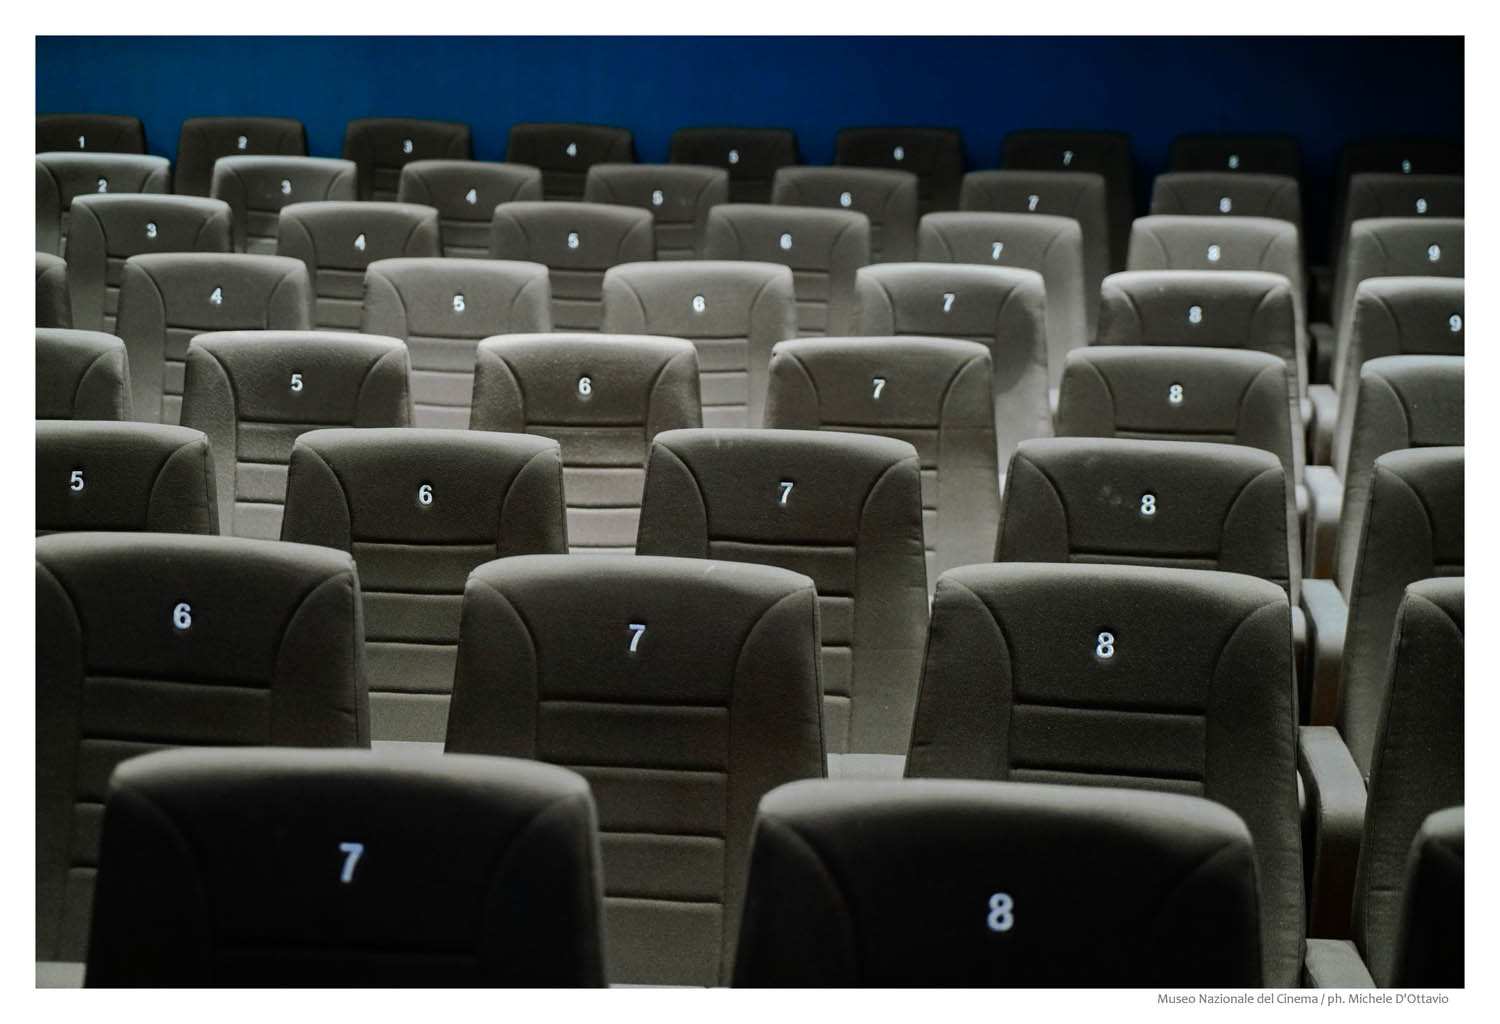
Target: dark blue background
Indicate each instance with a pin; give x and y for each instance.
(1322, 90)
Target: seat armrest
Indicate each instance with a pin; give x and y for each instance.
(1331, 828)
(1323, 340)
(1320, 534)
(1327, 618)
(1325, 403)
(1334, 963)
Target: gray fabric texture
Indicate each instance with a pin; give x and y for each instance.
(52, 309)
(934, 155)
(1228, 194)
(465, 194)
(62, 176)
(203, 140)
(1391, 193)
(1104, 153)
(678, 197)
(1399, 316)
(887, 197)
(108, 133)
(81, 375)
(1431, 949)
(257, 187)
(381, 146)
(750, 155)
(1239, 154)
(564, 152)
(1391, 156)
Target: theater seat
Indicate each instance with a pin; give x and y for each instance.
(1245, 154)
(61, 177)
(257, 187)
(81, 375)
(750, 155)
(677, 196)
(52, 309)
(90, 133)
(1106, 154)
(934, 155)
(887, 197)
(1227, 194)
(564, 153)
(203, 140)
(465, 194)
(381, 146)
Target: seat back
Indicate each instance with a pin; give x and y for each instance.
(678, 197)
(934, 155)
(381, 146)
(1228, 193)
(81, 375)
(683, 690)
(1392, 193)
(1400, 316)
(62, 176)
(90, 133)
(257, 187)
(52, 309)
(1430, 953)
(465, 194)
(887, 197)
(203, 140)
(1104, 153)
(1393, 156)
(564, 153)
(1243, 154)
(750, 155)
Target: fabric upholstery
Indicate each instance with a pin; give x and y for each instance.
(62, 176)
(564, 153)
(257, 187)
(1104, 153)
(381, 146)
(1228, 193)
(465, 194)
(677, 196)
(887, 197)
(1431, 950)
(52, 309)
(93, 133)
(81, 375)
(934, 155)
(203, 140)
(1392, 193)
(1241, 154)
(750, 155)
(1400, 316)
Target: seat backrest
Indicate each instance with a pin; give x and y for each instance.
(100, 475)
(381, 146)
(1085, 674)
(52, 309)
(1104, 153)
(1052, 246)
(1392, 156)
(1401, 316)
(62, 176)
(168, 298)
(239, 868)
(203, 140)
(1404, 402)
(81, 375)
(1002, 308)
(338, 240)
(107, 230)
(148, 640)
(1430, 948)
(821, 909)
(257, 187)
(1228, 193)
(1393, 194)
(934, 155)
(418, 509)
(887, 197)
(846, 509)
(602, 397)
(254, 392)
(750, 155)
(931, 392)
(683, 690)
(824, 248)
(91, 133)
(465, 194)
(1413, 530)
(732, 311)
(1418, 766)
(577, 242)
(564, 152)
(1242, 154)
(442, 307)
(1188, 504)
(678, 197)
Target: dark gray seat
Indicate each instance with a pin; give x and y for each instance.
(139, 477)
(934, 155)
(52, 309)
(1391, 156)
(81, 375)
(1104, 153)
(1084, 674)
(887, 197)
(602, 397)
(683, 690)
(107, 230)
(732, 311)
(60, 177)
(381, 146)
(931, 392)
(339, 240)
(254, 392)
(1003, 308)
(203, 140)
(678, 197)
(91, 133)
(564, 152)
(151, 640)
(257, 187)
(465, 194)
(168, 298)
(893, 884)
(1242, 153)
(750, 155)
(824, 248)
(844, 508)
(1392, 193)
(1227, 193)
(293, 868)
(1430, 949)
(418, 509)
(577, 242)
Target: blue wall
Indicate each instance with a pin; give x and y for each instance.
(1323, 90)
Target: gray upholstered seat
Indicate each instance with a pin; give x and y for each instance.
(732, 311)
(1393, 193)
(564, 152)
(887, 197)
(844, 508)
(418, 509)
(1388, 156)
(678, 197)
(167, 298)
(60, 177)
(824, 248)
(442, 307)
(150, 640)
(602, 397)
(465, 194)
(257, 187)
(1430, 948)
(292, 868)
(1104, 153)
(107, 230)
(683, 690)
(203, 140)
(1122, 675)
(139, 477)
(750, 155)
(90, 133)
(254, 392)
(381, 146)
(577, 242)
(1227, 193)
(931, 392)
(1003, 308)
(338, 240)
(52, 309)
(81, 375)
(1244, 154)
(894, 884)
(934, 155)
